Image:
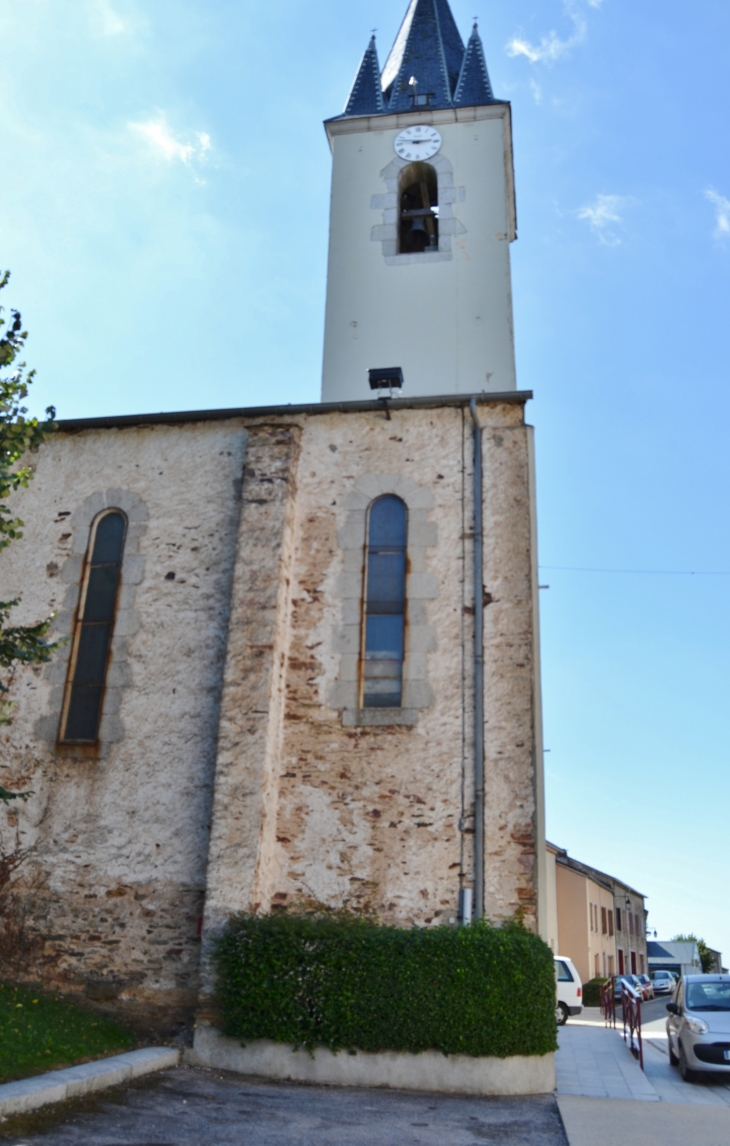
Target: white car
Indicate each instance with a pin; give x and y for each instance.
(569, 995)
(663, 982)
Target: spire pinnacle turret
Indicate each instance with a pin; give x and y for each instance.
(366, 97)
(474, 87)
(428, 66)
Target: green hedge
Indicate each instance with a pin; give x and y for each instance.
(592, 992)
(348, 983)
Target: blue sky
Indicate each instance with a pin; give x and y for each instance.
(166, 185)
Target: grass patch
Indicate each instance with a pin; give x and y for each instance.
(40, 1032)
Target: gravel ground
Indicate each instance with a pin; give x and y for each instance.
(191, 1107)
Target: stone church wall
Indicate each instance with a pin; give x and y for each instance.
(235, 770)
(114, 881)
(346, 810)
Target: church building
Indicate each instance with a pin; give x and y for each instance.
(302, 663)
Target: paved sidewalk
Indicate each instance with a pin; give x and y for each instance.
(606, 1122)
(595, 1062)
(605, 1098)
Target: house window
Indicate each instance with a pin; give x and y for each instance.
(418, 222)
(604, 921)
(610, 967)
(385, 604)
(620, 961)
(94, 630)
(618, 918)
(633, 962)
(610, 922)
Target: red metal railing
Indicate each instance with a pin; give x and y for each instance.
(631, 1007)
(631, 1014)
(608, 1003)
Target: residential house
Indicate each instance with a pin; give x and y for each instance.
(682, 958)
(594, 918)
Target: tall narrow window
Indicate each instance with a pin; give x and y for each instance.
(94, 630)
(418, 226)
(385, 604)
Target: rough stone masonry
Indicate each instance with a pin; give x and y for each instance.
(234, 768)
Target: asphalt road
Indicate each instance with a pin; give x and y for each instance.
(191, 1107)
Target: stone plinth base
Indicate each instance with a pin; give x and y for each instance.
(431, 1070)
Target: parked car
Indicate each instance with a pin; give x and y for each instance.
(631, 981)
(569, 990)
(698, 1027)
(663, 982)
(647, 986)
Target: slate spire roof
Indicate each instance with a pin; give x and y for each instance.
(366, 97)
(473, 88)
(429, 51)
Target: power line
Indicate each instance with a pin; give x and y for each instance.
(653, 572)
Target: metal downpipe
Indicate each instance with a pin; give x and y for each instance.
(478, 670)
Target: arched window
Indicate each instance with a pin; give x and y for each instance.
(418, 224)
(94, 630)
(385, 604)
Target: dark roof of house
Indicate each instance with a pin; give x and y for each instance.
(428, 50)
(601, 877)
(656, 951)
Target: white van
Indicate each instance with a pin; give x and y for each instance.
(569, 994)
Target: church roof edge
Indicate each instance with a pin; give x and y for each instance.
(119, 421)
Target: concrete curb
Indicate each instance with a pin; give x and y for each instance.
(58, 1085)
(429, 1071)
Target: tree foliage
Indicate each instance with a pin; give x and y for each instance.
(19, 437)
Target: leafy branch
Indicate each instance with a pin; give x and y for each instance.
(19, 437)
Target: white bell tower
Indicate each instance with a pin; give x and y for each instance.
(422, 215)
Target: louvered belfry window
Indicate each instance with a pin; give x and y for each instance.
(385, 604)
(94, 631)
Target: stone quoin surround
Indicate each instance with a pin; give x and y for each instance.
(127, 620)
(387, 232)
(421, 587)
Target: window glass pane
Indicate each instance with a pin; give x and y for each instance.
(91, 654)
(109, 539)
(564, 975)
(379, 694)
(82, 722)
(94, 631)
(385, 604)
(388, 523)
(101, 593)
(386, 582)
(384, 637)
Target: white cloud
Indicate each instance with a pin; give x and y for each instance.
(602, 215)
(722, 214)
(551, 46)
(156, 132)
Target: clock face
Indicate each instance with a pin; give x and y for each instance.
(418, 142)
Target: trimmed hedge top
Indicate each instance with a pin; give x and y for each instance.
(348, 983)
